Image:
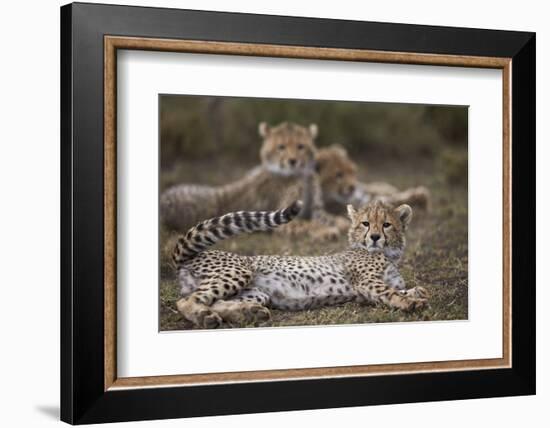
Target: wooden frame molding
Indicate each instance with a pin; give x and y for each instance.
(113, 43)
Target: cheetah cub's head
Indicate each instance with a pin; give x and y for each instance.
(288, 149)
(378, 227)
(337, 174)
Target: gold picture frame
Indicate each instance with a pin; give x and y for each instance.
(114, 43)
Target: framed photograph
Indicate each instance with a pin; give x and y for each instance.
(266, 213)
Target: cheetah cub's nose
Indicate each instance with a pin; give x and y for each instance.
(375, 237)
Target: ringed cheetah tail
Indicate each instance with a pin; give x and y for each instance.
(209, 232)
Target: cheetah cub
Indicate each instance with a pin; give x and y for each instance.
(285, 174)
(340, 184)
(219, 286)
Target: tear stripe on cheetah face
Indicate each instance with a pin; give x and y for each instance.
(379, 228)
(287, 282)
(288, 149)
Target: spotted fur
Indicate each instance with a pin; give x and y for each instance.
(219, 286)
(209, 232)
(340, 185)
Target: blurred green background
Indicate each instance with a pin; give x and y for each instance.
(199, 127)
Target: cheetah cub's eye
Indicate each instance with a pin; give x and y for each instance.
(300, 147)
(386, 225)
(340, 175)
(281, 147)
(366, 224)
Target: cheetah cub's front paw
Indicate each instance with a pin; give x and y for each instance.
(413, 299)
(416, 304)
(416, 292)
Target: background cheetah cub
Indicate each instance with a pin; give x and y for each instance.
(340, 184)
(286, 173)
(219, 286)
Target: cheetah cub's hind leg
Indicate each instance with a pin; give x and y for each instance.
(198, 307)
(249, 306)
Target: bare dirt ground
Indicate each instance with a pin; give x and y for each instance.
(436, 257)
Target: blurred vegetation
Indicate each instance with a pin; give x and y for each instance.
(198, 127)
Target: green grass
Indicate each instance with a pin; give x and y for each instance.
(436, 257)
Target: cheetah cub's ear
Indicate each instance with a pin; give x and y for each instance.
(263, 129)
(352, 213)
(405, 214)
(339, 149)
(313, 130)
